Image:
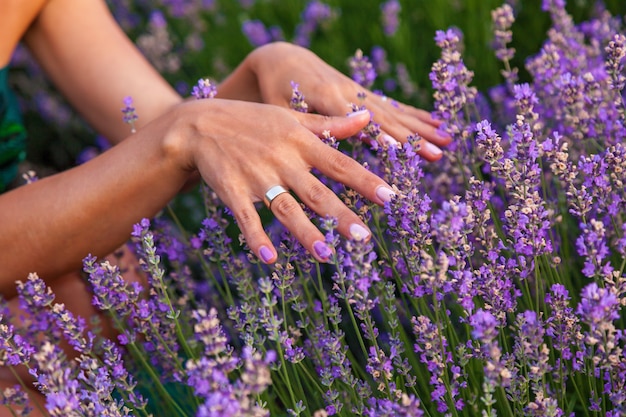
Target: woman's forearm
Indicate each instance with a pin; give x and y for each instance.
(94, 64)
(49, 226)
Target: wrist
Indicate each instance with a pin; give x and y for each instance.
(175, 143)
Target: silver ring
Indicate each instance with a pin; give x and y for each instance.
(272, 193)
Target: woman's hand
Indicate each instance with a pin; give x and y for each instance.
(243, 149)
(329, 92)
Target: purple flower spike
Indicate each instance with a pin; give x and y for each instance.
(130, 115)
(362, 70)
(390, 11)
(297, 102)
(256, 32)
(598, 306)
(204, 89)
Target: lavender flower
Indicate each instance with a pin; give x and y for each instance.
(52, 109)
(503, 19)
(130, 115)
(452, 225)
(157, 44)
(432, 348)
(314, 15)
(256, 32)
(328, 351)
(356, 276)
(297, 102)
(30, 177)
(494, 285)
(598, 310)
(497, 373)
(531, 351)
(210, 381)
(563, 326)
(16, 400)
(543, 406)
(598, 307)
(208, 331)
(561, 165)
(407, 406)
(390, 11)
(616, 51)
(204, 89)
(379, 61)
(14, 348)
(450, 79)
(592, 246)
(110, 290)
(407, 85)
(362, 70)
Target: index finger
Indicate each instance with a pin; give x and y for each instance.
(342, 168)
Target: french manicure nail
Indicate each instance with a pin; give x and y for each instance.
(431, 148)
(266, 254)
(358, 113)
(385, 193)
(358, 232)
(321, 249)
(390, 141)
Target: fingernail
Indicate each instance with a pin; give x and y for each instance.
(358, 232)
(358, 113)
(384, 193)
(266, 254)
(322, 250)
(431, 148)
(390, 141)
(442, 134)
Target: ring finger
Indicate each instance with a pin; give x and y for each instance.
(289, 212)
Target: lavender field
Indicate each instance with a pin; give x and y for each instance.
(494, 283)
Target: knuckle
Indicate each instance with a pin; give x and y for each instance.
(345, 216)
(284, 206)
(317, 194)
(246, 217)
(326, 119)
(340, 163)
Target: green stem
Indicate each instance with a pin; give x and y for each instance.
(157, 381)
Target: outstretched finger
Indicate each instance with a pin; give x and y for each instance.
(251, 227)
(426, 149)
(289, 212)
(322, 200)
(424, 127)
(338, 126)
(340, 167)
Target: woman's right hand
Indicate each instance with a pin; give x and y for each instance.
(242, 149)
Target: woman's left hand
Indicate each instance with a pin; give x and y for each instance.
(329, 92)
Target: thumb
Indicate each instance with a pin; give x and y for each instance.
(339, 127)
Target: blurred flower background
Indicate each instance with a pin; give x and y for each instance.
(494, 283)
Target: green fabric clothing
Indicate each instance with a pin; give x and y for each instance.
(12, 133)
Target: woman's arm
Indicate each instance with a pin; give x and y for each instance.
(241, 149)
(95, 65)
(15, 18)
